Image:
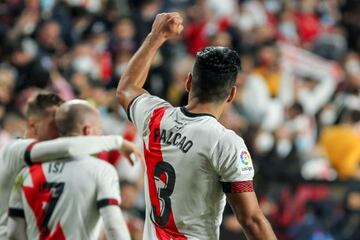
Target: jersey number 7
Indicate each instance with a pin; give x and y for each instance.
(56, 189)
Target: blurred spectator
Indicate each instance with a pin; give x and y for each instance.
(308, 22)
(49, 39)
(31, 72)
(177, 94)
(347, 227)
(132, 215)
(13, 126)
(269, 69)
(342, 145)
(7, 84)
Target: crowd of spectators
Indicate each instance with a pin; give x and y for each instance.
(298, 103)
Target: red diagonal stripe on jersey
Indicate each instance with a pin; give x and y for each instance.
(152, 156)
(35, 197)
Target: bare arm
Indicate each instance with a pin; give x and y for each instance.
(249, 215)
(166, 26)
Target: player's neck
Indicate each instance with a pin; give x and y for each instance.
(215, 109)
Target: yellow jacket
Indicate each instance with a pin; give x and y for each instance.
(342, 146)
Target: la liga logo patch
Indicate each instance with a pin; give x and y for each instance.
(245, 157)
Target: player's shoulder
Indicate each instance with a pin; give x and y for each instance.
(142, 107)
(222, 133)
(148, 99)
(10, 149)
(210, 129)
(98, 165)
(13, 144)
(229, 139)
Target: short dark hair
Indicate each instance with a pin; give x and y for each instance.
(39, 104)
(214, 73)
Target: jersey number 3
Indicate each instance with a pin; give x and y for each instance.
(165, 175)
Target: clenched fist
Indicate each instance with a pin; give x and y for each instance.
(167, 26)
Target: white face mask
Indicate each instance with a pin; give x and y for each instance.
(288, 29)
(327, 117)
(303, 144)
(101, 46)
(264, 142)
(283, 147)
(85, 64)
(120, 69)
(272, 6)
(352, 67)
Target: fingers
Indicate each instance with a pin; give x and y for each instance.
(177, 20)
(172, 14)
(131, 152)
(180, 29)
(129, 158)
(167, 25)
(134, 157)
(175, 24)
(140, 156)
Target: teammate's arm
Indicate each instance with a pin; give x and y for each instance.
(32, 151)
(71, 146)
(114, 223)
(166, 26)
(16, 228)
(108, 201)
(16, 225)
(247, 211)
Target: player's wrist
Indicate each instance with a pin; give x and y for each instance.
(156, 39)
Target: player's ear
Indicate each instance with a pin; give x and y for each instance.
(86, 130)
(188, 82)
(31, 128)
(232, 94)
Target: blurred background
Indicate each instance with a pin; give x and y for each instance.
(298, 102)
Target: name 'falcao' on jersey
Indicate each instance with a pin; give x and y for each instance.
(171, 138)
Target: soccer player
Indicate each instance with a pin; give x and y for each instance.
(64, 199)
(40, 118)
(192, 161)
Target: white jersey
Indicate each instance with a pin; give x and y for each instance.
(15, 155)
(61, 200)
(11, 162)
(191, 161)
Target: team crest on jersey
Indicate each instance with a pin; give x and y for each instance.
(246, 160)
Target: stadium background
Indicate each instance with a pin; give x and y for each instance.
(298, 106)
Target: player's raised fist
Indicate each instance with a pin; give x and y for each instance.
(167, 25)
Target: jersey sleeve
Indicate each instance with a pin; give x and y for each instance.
(28, 150)
(72, 146)
(140, 109)
(114, 223)
(16, 208)
(232, 162)
(108, 188)
(13, 154)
